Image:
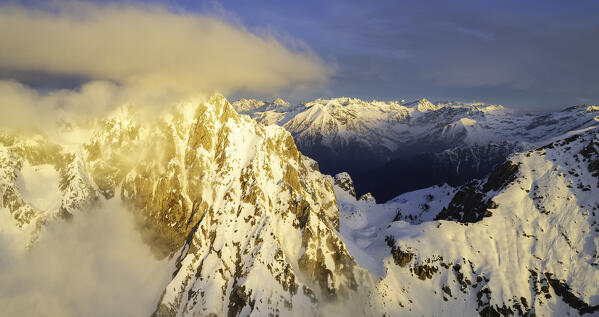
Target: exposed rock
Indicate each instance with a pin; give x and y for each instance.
(344, 181)
(367, 197)
(468, 205)
(471, 204)
(446, 290)
(501, 176)
(401, 258)
(424, 271)
(591, 153)
(563, 290)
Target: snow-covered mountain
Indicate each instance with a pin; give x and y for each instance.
(370, 139)
(253, 228)
(250, 221)
(524, 241)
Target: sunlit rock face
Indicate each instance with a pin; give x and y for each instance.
(258, 225)
(251, 222)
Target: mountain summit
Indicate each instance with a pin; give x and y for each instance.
(250, 221)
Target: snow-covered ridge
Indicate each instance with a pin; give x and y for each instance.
(391, 124)
(531, 245)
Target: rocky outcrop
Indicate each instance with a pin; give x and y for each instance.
(591, 154)
(468, 205)
(76, 191)
(472, 203)
(367, 197)
(501, 176)
(344, 181)
(400, 257)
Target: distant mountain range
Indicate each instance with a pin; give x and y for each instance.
(392, 147)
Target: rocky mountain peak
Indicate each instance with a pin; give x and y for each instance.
(281, 103)
(422, 105)
(250, 221)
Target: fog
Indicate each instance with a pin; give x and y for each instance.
(93, 265)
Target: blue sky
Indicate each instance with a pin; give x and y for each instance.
(538, 55)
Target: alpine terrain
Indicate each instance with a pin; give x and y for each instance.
(384, 144)
(252, 227)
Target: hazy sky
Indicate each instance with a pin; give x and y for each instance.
(523, 54)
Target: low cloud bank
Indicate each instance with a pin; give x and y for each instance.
(95, 265)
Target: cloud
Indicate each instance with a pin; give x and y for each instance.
(150, 45)
(26, 109)
(95, 265)
(139, 54)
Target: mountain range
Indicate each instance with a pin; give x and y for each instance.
(252, 226)
(395, 147)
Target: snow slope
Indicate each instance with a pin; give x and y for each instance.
(532, 249)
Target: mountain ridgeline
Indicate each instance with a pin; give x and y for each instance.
(249, 226)
(250, 222)
(392, 147)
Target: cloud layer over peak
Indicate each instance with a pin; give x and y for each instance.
(139, 50)
(152, 45)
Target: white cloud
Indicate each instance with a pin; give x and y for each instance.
(140, 54)
(95, 265)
